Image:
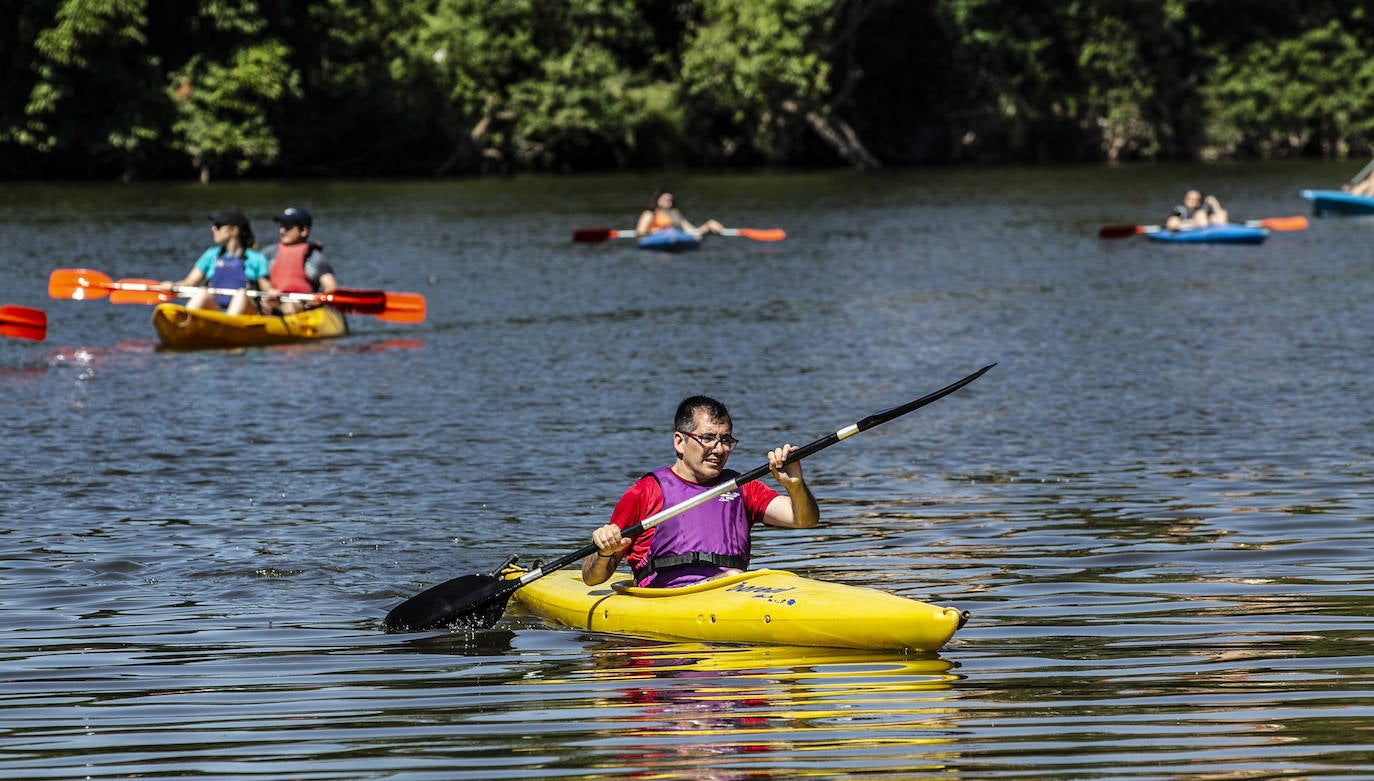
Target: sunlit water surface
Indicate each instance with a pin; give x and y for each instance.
(1157, 507)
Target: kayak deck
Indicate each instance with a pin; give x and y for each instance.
(182, 328)
(1212, 234)
(669, 240)
(768, 607)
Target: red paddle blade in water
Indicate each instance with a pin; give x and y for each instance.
(21, 322)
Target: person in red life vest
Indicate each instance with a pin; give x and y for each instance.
(711, 539)
(234, 263)
(663, 215)
(298, 264)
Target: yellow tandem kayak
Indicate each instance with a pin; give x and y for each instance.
(770, 607)
(184, 328)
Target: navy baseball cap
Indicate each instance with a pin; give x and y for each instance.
(293, 215)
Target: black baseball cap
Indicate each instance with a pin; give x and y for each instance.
(234, 216)
(293, 215)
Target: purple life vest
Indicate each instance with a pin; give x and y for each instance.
(229, 273)
(700, 543)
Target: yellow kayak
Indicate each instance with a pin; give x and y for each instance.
(184, 328)
(767, 607)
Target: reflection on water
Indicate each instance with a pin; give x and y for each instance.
(1157, 507)
(724, 712)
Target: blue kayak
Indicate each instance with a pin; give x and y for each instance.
(1212, 234)
(1338, 202)
(669, 240)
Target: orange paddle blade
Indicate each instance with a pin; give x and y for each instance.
(79, 284)
(139, 291)
(762, 234)
(385, 305)
(404, 308)
(21, 322)
(145, 297)
(1296, 223)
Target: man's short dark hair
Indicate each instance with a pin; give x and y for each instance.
(685, 419)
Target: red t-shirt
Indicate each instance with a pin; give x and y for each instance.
(645, 498)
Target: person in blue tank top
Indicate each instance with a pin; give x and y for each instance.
(234, 264)
(711, 539)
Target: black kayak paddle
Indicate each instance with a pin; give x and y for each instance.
(478, 600)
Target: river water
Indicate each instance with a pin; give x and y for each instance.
(1157, 507)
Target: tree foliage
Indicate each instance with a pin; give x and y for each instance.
(292, 87)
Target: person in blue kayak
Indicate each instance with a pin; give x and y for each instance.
(1363, 183)
(711, 539)
(1196, 211)
(662, 214)
(233, 263)
(297, 263)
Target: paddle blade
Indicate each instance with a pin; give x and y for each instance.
(78, 284)
(363, 302)
(139, 291)
(762, 234)
(1296, 223)
(1117, 231)
(592, 235)
(475, 601)
(145, 297)
(21, 322)
(403, 308)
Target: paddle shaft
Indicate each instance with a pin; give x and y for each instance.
(1364, 172)
(189, 290)
(876, 419)
(591, 235)
(88, 284)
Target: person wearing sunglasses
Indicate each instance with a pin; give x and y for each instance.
(711, 539)
(233, 263)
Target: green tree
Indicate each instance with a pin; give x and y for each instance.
(529, 82)
(220, 107)
(759, 74)
(1280, 97)
(223, 95)
(93, 88)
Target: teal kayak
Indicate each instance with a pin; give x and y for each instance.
(1338, 202)
(1212, 234)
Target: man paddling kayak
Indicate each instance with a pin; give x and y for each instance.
(711, 539)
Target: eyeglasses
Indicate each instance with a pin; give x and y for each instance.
(709, 441)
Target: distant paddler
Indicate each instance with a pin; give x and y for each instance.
(1361, 183)
(662, 215)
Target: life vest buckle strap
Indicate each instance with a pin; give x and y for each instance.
(686, 559)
